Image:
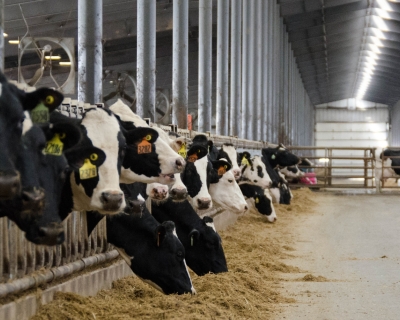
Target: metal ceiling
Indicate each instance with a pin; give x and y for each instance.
(345, 48)
(334, 41)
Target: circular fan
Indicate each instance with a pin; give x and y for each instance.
(119, 85)
(163, 108)
(47, 57)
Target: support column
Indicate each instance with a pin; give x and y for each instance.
(205, 65)
(146, 58)
(258, 66)
(90, 50)
(180, 63)
(245, 68)
(265, 68)
(2, 35)
(235, 85)
(251, 101)
(222, 111)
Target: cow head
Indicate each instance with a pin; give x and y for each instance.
(196, 177)
(13, 102)
(43, 169)
(292, 172)
(280, 156)
(166, 161)
(226, 191)
(96, 164)
(254, 171)
(229, 153)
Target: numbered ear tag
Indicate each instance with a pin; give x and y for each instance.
(245, 162)
(192, 158)
(222, 170)
(182, 151)
(273, 157)
(54, 146)
(88, 170)
(40, 114)
(257, 200)
(144, 146)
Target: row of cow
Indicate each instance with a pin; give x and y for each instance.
(108, 163)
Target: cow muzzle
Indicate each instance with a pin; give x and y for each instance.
(178, 194)
(112, 200)
(179, 165)
(50, 234)
(33, 200)
(203, 204)
(10, 185)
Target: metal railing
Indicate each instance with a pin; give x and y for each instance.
(339, 167)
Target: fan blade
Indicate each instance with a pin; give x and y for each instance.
(36, 77)
(126, 97)
(109, 96)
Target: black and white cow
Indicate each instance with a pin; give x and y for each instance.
(43, 168)
(259, 200)
(151, 249)
(390, 168)
(253, 170)
(229, 153)
(292, 172)
(203, 247)
(161, 162)
(280, 156)
(13, 102)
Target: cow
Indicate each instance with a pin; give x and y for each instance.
(391, 166)
(203, 246)
(43, 169)
(259, 200)
(280, 156)
(229, 153)
(13, 102)
(151, 249)
(253, 170)
(162, 162)
(292, 172)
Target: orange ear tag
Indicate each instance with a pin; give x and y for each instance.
(144, 147)
(221, 170)
(192, 158)
(88, 170)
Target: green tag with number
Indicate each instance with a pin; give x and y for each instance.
(88, 170)
(54, 146)
(40, 114)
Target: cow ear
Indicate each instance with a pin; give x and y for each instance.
(65, 134)
(245, 159)
(135, 136)
(196, 153)
(194, 237)
(50, 98)
(221, 167)
(210, 145)
(162, 230)
(76, 156)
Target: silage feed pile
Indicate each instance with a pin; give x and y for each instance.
(250, 290)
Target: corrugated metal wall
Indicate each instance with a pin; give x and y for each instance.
(394, 139)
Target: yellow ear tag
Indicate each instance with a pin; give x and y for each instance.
(245, 162)
(40, 114)
(182, 151)
(222, 170)
(192, 158)
(54, 146)
(257, 200)
(88, 170)
(145, 145)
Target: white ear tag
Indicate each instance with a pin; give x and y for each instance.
(273, 157)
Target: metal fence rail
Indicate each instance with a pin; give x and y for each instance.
(343, 167)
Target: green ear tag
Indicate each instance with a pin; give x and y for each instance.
(182, 151)
(245, 162)
(88, 170)
(273, 157)
(40, 114)
(54, 146)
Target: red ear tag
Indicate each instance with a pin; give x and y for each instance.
(144, 147)
(192, 158)
(221, 170)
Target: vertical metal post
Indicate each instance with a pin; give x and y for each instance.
(205, 65)
(146, 58)
(281, 110)
(271, 79)
(90, 50)
(258, 65)
(245, 68)
(265, 70)
(2, 35)
(222, 111)
(251, 101)
(235, 84)
(180, 63)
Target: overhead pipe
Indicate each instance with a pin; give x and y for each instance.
(90, 51)
(180, 63)
(235, 75)
(222, 110)
(205, 66)
(146, 59)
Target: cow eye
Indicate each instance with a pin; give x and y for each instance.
(230, 180)
(180, 255)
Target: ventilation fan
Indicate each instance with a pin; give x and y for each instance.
(43, 58)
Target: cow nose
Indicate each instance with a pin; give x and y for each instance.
(236, 173)
(52, 235)
(178, 194)
(112, 200)
(180, 163)
(9, 185)
(203, 203)
(245, 208)
(160, 193)
(33, 200)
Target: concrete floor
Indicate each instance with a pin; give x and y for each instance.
(354, 242)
